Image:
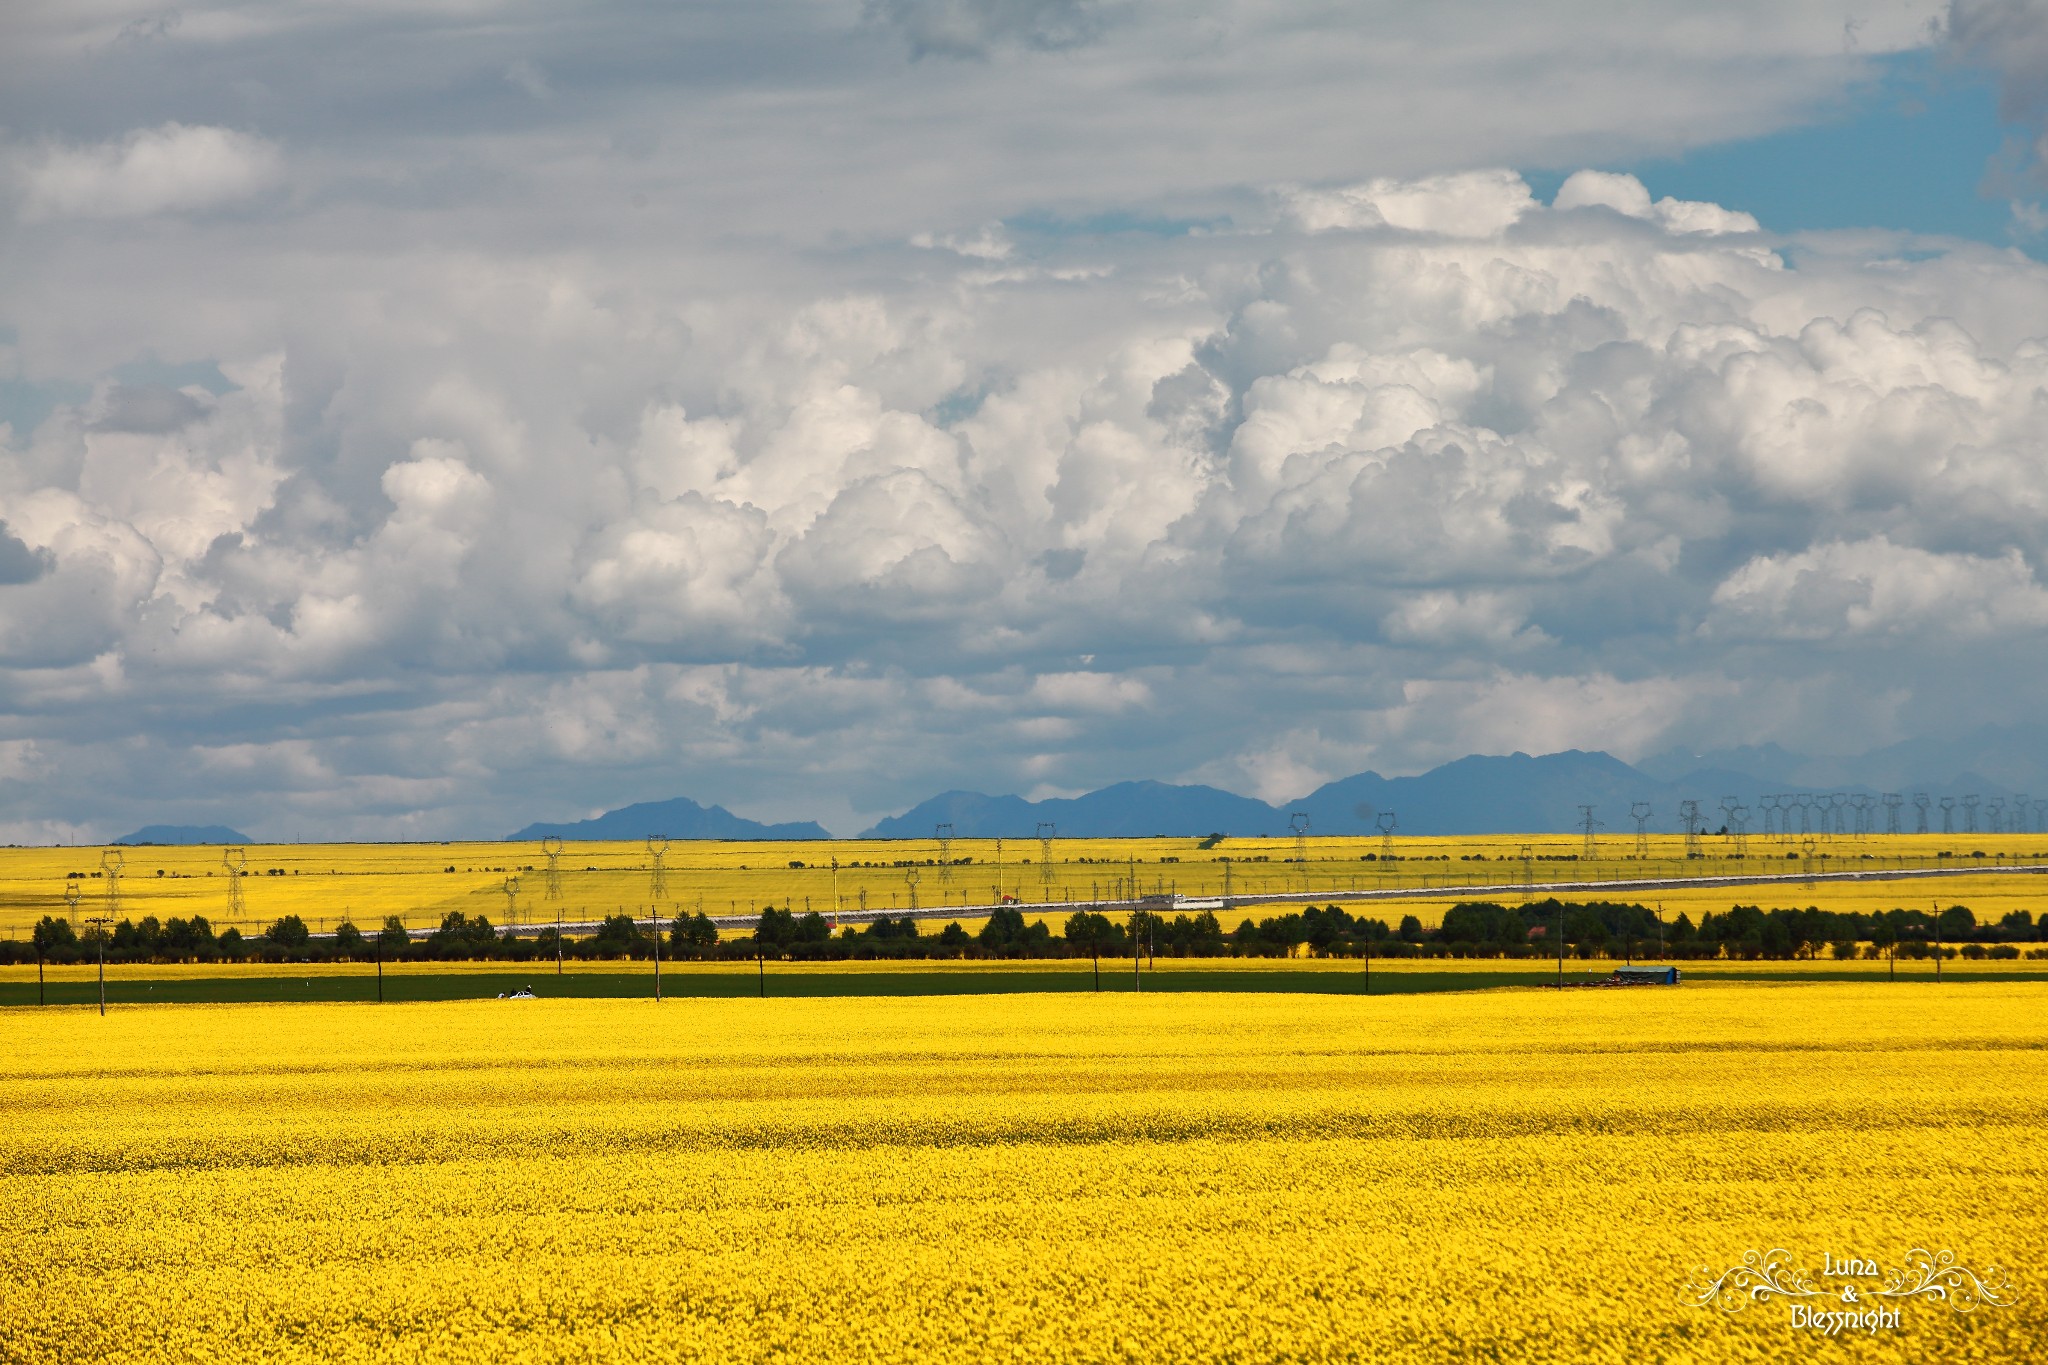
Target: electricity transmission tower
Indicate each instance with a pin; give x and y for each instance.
(1640, 812)
(1970, 804)
(1388, 824)
(943, 832)
(236, 861)
(1689, 812)
(1920, 804)
(1948, 814)
(551, 848)
(1046, 831)
(657, 878)
(512, 899)
(1298, 822)
(1589, 825)
(2019, 813)
(1769, 806)
(1892, 802)
(111, 862)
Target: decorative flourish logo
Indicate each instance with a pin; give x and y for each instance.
(1940, 1277)
(1762, 1276)
(1870, 1294)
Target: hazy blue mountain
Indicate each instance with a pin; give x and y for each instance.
(1992, 760)
(1479, 794)
(971, 814)
(1767, 763)
(2001, 758)
(681, 818)
(184, 834)
(1128, 808)
(1709, 785)
(1484, 794)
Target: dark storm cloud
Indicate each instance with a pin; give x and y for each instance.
(154, 409)
(18, 563)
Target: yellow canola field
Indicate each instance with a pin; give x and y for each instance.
(325, 884)
(1519, 1176)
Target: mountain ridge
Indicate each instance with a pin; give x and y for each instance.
(183, 835)
(1478, 794)
(679, 818)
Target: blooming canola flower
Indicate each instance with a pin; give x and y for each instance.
(1499, 1175)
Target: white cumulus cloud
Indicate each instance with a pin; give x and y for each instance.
(1875, 588)
(173, 168)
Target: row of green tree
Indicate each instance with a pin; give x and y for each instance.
(1608, 929)
(1469, 929)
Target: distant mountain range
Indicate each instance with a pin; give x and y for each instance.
(1474, 795)
(678, 819)
(1128, 808)
(1998, 759)
(1513, 793)
(184, 834)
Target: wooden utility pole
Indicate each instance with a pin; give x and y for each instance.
(100, 924)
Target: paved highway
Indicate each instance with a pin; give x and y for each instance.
(1443, 890)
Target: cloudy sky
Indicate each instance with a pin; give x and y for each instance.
(419, 417)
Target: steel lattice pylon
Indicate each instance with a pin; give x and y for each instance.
(551, 849)
(657, 879)
(236, 861)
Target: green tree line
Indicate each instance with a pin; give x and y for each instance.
(1469, 929)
